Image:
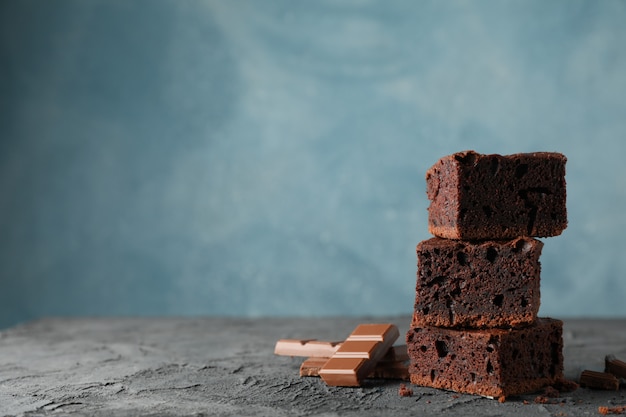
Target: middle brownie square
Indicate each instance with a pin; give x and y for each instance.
(477, 284)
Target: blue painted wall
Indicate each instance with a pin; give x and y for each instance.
(268, 157)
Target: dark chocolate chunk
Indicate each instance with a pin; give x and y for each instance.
(615, 366)
(598, 380)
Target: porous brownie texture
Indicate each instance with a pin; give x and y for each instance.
(490, 362)
(477, 284)
(474, 196)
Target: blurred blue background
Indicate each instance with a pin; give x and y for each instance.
(259, 158)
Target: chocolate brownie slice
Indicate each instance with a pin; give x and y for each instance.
(490, 362)
(475, 196)
(477, 284)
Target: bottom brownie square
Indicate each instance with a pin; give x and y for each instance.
(490, 362)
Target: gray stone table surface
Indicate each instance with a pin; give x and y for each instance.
(226, 366)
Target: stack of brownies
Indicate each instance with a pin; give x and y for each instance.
(475, 327)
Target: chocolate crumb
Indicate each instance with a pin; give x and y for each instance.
(548, 393)
(565, 385)
(621, 409)
(403, 391)
(551, 392)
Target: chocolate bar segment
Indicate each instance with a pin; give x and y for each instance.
(379, 332)
(489, 362)
(391, 366)
(396, 354)
(386, 368)
(352, 371)
(357, 349)
(479, 197)
(477, 284)
(306, 348)
(345, 372)
(312, 366)
(615, 366)
(391, 370)
(599, 380)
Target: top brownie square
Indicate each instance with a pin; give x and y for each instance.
(477, 197)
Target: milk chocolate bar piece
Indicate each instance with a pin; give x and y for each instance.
(357, 349)
(313, 348)
(484, 197)
(379, 332)
(391, 370)
(345, 372)
(383, 370)
(306, 348)
(392, 366)
(396, 354)
(599, 380)
(349, 367)
(312, 366)
(615, 366)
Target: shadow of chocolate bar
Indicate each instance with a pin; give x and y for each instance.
(357, 357)
(394, 365)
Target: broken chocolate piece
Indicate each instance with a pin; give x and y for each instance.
(357, 349)
(391, 370)
(403, 391)
(615, 366)
(396, 353)
(312, 366)
(599, 380)
(341, 370)
(345, 372)
(313, 348)
(306, 347)
(391, 366)
(385, 369)
(379, 332)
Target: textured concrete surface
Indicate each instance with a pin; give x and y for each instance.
(215, 366)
